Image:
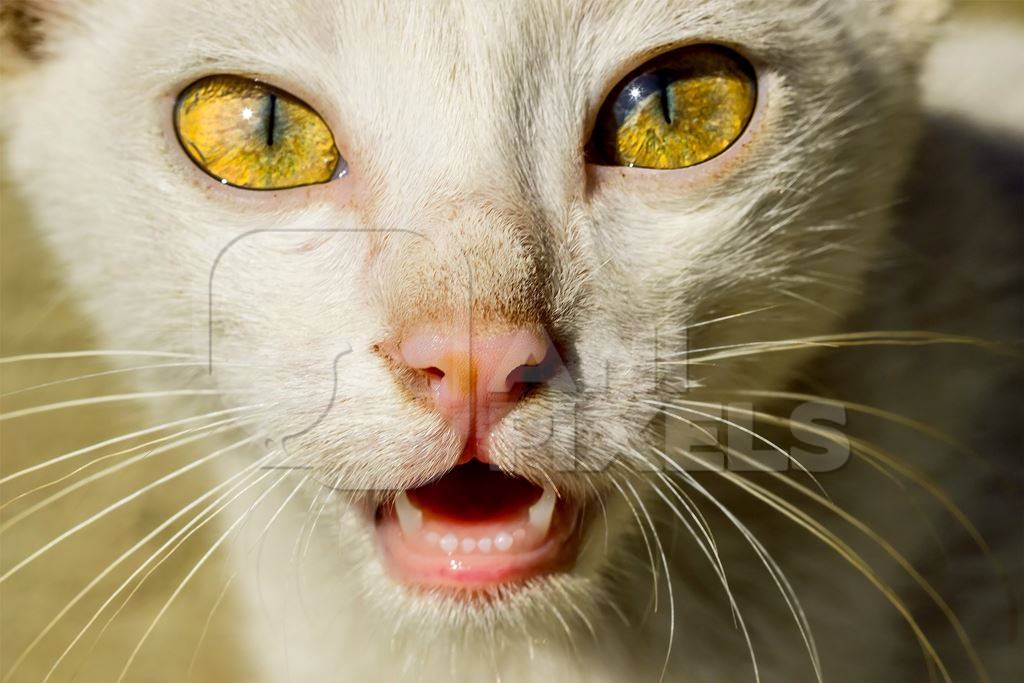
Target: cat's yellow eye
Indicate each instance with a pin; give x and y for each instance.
(251, 135)
(678, 110)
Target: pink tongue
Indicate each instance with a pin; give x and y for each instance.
(475, 492)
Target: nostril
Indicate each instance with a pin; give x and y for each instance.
(483, 374)
(433, 373)
(534, 372)
(433, 376)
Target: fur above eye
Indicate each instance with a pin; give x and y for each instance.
(678, 110)
(251, 135)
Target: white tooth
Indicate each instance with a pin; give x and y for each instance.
(484, 544)
(503, 541)
(542, 510)
(468, 545)
(410, 518)
(449, 543)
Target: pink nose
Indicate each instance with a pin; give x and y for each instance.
(474, 382)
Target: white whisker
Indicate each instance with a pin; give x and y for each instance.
(111, 398)
(119, 439)
(92, 354)
(779, 449)
(232, 423)
(774, 570)
(171, 546)
(234, 575)
(113, 565)
(104, 373)
(647, 543)
(121, 503)
(198, 565)
(668, 580)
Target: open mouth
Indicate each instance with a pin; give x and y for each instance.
(476, 527)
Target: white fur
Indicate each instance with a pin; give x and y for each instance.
(463, 125)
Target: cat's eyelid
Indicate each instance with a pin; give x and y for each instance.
(609, 79)
(251, 135)
(696, 180)
(723, 87)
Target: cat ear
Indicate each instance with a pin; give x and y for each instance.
(898, 33)
(913, 23)
(921, 12)
(30, 28)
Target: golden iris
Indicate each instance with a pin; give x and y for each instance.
(679, 110)
(251, 135)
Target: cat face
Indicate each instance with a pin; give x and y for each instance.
(474, 236)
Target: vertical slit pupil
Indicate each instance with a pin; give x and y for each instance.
(271, 119)
(664, 81)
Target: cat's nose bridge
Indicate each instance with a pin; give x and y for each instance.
(455, 262)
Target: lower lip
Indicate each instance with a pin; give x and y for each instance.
(412, 563)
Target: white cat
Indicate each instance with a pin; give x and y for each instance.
(494, 271)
